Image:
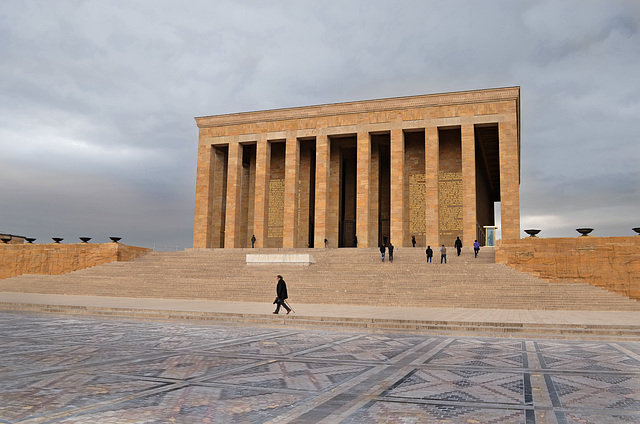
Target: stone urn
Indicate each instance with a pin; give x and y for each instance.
(637, 230)
(115, 239)
(85, 239)
(57, 239)
(30, 240)
(532, 232)
(584, 231)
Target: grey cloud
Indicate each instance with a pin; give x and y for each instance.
(97, 99)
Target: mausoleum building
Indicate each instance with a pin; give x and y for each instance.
(430, 167)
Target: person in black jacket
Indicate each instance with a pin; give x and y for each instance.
(281, 293)
(458, 245)
(429, 253)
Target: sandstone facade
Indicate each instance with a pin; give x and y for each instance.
(427, 166)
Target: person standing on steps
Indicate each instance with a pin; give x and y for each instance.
(382, 251)
(390, 252)
(281, 295)
(458, 245)
(429, 253)
(476, 248)
(326, 243)
(443, 254)
(413, 241)
(253, 240)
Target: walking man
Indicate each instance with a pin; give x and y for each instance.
(443, 254)
(281, 295)
(253, 240)
(458, 245)
(429, 253)
(476, 248)
(382, 251)
(413, 241)
(390, 252)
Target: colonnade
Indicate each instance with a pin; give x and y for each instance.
(428, 167)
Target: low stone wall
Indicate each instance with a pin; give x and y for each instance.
(53, 259)
(288, 259)
(609, 262)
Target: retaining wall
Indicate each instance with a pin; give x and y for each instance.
(54, 258)
(609, 262)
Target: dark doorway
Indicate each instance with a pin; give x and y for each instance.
(348, 195)
(384, 187)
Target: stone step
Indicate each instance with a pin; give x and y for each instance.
(343, 276)
(479, 329)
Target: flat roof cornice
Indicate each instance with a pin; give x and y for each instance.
(364, 106)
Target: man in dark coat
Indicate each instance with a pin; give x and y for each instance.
(383, 249)
(458, 245)
(281, 293)
(390, 252)
(429, 253)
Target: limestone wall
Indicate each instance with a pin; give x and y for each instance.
(53, 259)
(609, 262)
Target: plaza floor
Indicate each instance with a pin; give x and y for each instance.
(83, 369)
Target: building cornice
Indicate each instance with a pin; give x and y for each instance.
(365, 106)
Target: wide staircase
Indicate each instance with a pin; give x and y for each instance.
(339, 276)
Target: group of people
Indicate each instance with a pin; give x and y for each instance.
(443, 250)
(386, 244)
(281, 287)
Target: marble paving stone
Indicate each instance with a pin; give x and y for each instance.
(618, 392)
(369, 347)
(194, 405)
(406, 413)
(294, 375)
(461, 385)
(31, 397)
(283, 345)
(58, 369)
(177, 367)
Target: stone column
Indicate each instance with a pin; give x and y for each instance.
(263, 166)
(219, 195)
(322, 189)
(432, 168)
(363, 176)
(234, 189)
(333, 207)
(509, 180)
(291, 164)
(397, 187)
(204, 197)
(469, 216)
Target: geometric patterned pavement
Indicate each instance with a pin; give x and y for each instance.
(63, 369)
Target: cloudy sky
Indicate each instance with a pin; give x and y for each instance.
(97, 98)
